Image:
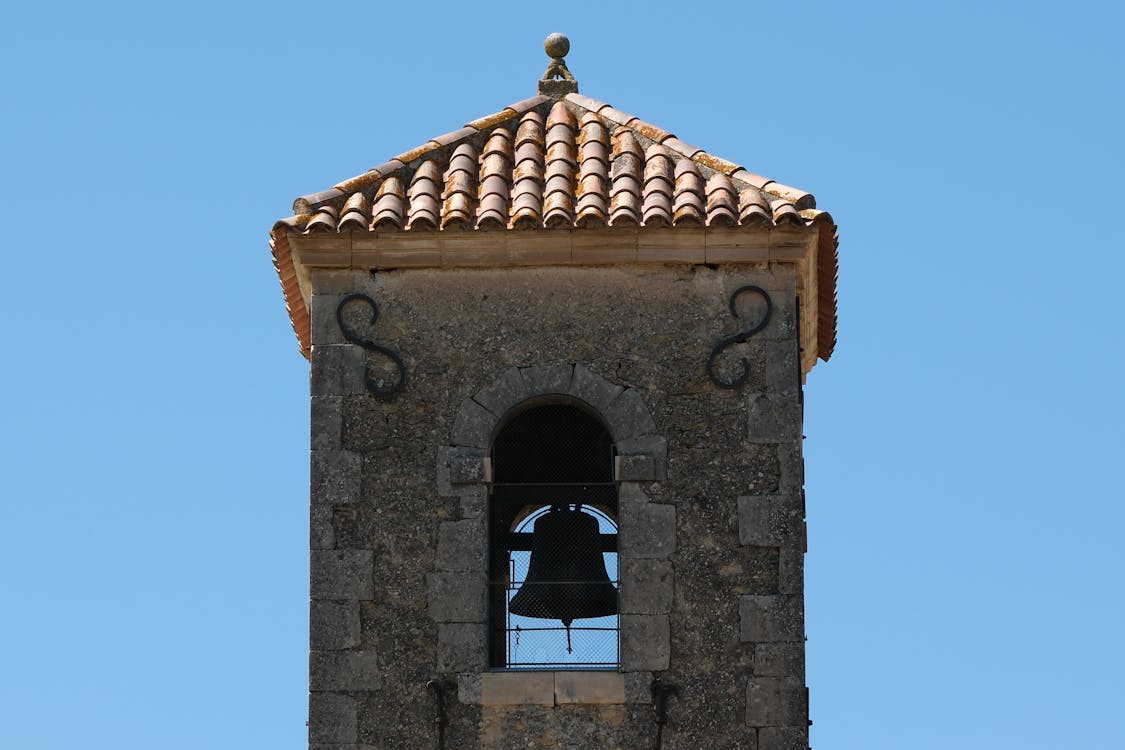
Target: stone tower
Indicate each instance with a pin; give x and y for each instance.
(557, 313)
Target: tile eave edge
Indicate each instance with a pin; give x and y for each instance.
(324, 250)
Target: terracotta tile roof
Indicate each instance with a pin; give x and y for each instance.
(556, 163)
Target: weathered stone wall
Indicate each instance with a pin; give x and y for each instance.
(711, 516)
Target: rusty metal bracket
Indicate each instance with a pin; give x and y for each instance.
(660, 693)
(375, 387)
(441, 720)
(739, 338)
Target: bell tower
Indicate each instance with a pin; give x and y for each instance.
(556, 477)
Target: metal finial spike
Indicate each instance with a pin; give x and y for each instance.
(557, 80)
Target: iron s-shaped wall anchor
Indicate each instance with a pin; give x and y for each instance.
(376, 389)
(739, 338)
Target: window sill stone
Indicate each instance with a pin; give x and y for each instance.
(551, 688)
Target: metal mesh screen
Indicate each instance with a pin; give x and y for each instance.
(553, 536)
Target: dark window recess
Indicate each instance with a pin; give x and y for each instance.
(553, 543)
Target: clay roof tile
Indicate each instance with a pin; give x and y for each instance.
(528, 169)
(752, 209)
(625, 183)
(499, 142)
(590, 127)
(423, 212)
(494, 184)
(530, 130)
(560, 114)
(453, 137)
(427, 170)
(784, 212)
(657, 209)
(689, 183)
(650, 131)
(675, 144)
(722, 203)
(591, 105)
(406, 157)
(659, 171)
(492, 120)
(324, 220)
(493, 212)
(624, 142)
(562, 152)
(356, 212)
(593, 148)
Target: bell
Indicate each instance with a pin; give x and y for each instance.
(566, 578)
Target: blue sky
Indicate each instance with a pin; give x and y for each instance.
(964, 444)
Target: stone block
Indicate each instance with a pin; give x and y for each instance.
(337, 370)
(333, 625)
(350, 671)
(777, 364)
(777, 277)
(474, 501)
(343, 574)
(776, 702)
(322, 535)
(458, 466)
(628, 416)
(325, 422)
(783, 738)
(754, 520)
(334, 476)
(770, 520)
(594, 390)
(456, 597)
(783, 318)
(546, 380)
(332, 718)
(469, 689)
(461, 647)
(646, 587)
(638, 687)
(780, 660)
(634, 468)
(589, 688)
(773, 417)
(461, 545)
(791, 575)
(504, 393)
(323, 328)
(771, 617)
(473, 426)
(338, 282)
(632, 492)
(645, 643)
(647, 445)
(792, 465)
(647, 530)
(518, 689)
(469, 469)
(760, 570)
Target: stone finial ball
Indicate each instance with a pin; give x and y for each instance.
(556, 45)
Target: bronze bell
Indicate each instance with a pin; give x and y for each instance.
(566, 577)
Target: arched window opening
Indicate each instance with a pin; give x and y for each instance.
(553, 576)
